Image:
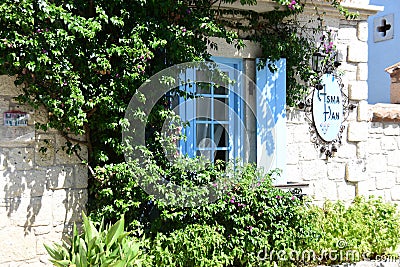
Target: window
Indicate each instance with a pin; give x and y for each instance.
(224, 125)
(214, 115)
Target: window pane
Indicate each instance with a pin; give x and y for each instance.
(203, 109)
(221, 90)
(221, 135)
(203, 86)
(221, 109)
(221, 155)
(203, 135)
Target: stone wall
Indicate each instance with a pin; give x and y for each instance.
(367, 167)
(41, 194)
(336, 177)
(368, 162)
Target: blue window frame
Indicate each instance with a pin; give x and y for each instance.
(215, 116)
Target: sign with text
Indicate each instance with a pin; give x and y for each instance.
(327, 108)
(15, 118)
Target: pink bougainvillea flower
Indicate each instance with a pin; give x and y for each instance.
(292, 4)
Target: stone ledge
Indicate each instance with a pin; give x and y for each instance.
(385, 113)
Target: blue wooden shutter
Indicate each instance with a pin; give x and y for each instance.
(186, 111)
(271, 125)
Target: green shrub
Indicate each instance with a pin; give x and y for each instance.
(109, 247)
(248, 222)
(194, 245)
(368, 227)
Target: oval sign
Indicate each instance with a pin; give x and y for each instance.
(327, 108)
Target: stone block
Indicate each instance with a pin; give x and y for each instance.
(21, 158)
(357, 51)
(81, 176)
(391, 129)
(357, 132)
(362, 31)
(395, 93)
(16, 244)
(16, 135)
(42, 230)
(346, 191)
(362, 150)
(377, 163)
(362, 71)
(45, 150)
(336, 171)
(59, 177)
(41, 115)
(346, 151)
(4, 106)
(293, 173)
(374, 145)
(356, 171)
(59, 207)
(325, 189)
(385, 180)
(31, 183)
(313, 170)
(3, 160)
(358, 90)
(4, 218)
(301, 133)
(389, 143)
(308, 152)
(347, 33)
(395, 193)
(77, 200)
(375, 128)
(7, 86)
(29, 212)
(63, 158)
(292, 155)
(68, 206)
(363, 111)
(363, 188)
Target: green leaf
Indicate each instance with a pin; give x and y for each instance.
(114, 232)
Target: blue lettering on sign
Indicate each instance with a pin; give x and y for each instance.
(328, 108)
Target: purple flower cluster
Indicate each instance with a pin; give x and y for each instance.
(292, 4)
(328, 47)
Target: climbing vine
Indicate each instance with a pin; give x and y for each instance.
(83, 60)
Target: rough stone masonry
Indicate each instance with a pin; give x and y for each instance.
(41, 194)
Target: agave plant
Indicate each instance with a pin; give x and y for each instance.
(106, 246)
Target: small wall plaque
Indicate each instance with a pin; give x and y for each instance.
(15, 118)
